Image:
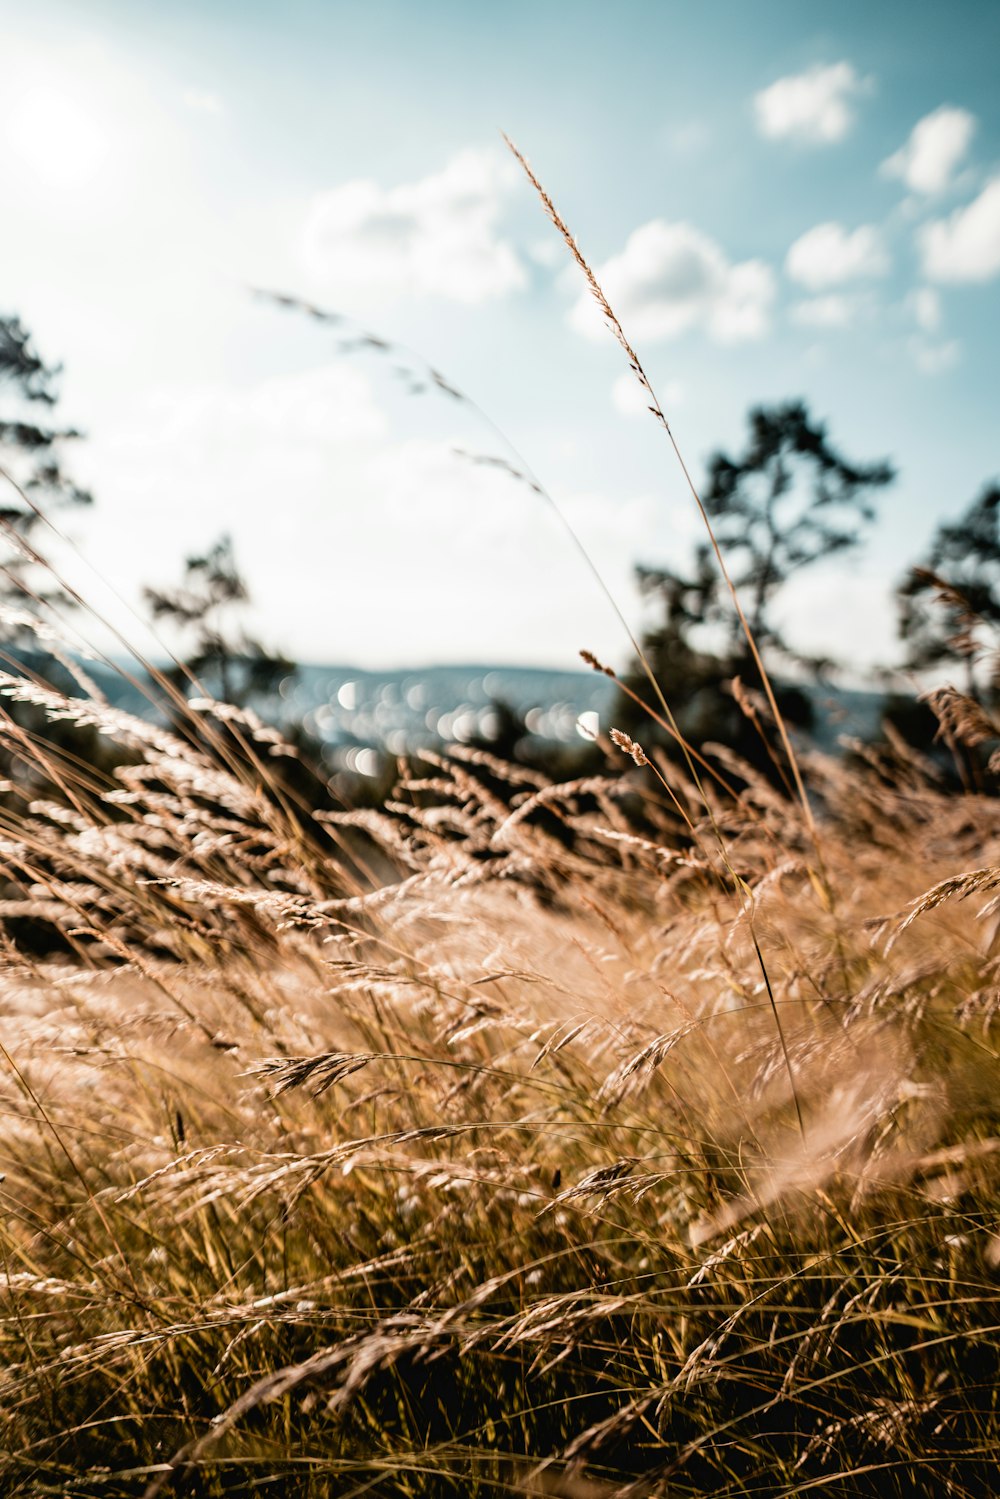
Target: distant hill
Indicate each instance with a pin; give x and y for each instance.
(400, 710)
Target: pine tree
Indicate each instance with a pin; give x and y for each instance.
(228, 662)
(787, 502)
(950, 604)
(31, 466)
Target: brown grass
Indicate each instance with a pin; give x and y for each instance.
(627, 1136)
(490, 1174)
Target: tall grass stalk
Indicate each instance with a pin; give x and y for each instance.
(635, 364)
(451, 1147)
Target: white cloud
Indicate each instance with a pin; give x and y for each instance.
(327, 405)
(832, 311)
(829, 255)
(628, 396)
(356, 546)
(934, 358)
(937, 143)
(671, 278)
(550, 253)
(813, 107)
(931, 353)
(438, 236)
(966, 245)
(925, 305)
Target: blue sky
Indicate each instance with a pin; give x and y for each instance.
(785, 199)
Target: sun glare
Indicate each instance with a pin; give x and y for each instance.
(56, 138)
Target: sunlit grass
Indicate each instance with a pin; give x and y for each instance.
(628, 1136)
(489, 1177)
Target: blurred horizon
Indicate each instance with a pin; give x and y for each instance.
(785, 202)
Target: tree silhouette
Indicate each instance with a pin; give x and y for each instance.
(30, 456)
(789, 501)
(951, 601)
(221, 655)
(33, 481)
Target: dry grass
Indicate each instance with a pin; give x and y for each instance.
(488, 1176)
(623, 1137)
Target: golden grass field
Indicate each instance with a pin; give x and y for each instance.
(632, 1136)
(489, 1176)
